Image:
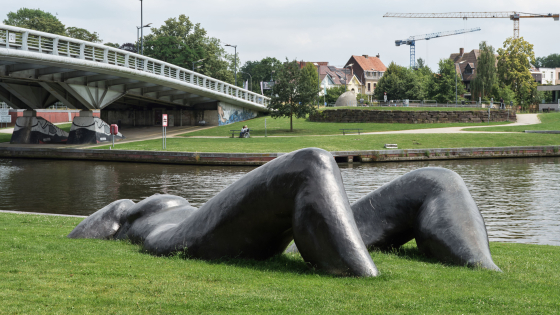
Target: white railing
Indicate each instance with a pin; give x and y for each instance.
(45, 43)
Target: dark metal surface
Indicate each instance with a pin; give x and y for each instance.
(297, 196)
(301, 196)
(433, 206)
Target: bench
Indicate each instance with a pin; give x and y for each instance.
(233, 132)
(344, 130)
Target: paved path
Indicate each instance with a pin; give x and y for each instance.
(522, 120)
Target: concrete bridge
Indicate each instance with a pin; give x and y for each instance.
(38, 69)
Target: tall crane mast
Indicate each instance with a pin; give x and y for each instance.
(512, 15)
(412, 41)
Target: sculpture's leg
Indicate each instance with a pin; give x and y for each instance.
(432, 205)
(297, 196)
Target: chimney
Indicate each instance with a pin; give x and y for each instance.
(461, 51)
(366, 56)
(377, 55)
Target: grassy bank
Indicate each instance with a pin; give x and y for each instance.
(44, 272)
(341, 143)
(410, 109)
(549, 121)
(302, 127)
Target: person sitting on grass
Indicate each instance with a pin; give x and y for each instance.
(244, 130)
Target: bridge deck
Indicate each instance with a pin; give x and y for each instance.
(38, 69)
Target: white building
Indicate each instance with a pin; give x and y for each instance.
(549, 75)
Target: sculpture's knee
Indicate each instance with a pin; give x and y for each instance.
(104, 223)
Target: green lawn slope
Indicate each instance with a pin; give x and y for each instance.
(43, 272)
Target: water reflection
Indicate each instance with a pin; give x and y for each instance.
(519, 198)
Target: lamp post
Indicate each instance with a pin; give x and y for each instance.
(234, 61)
(271, 80)
(251, 78)
(456, 64)
(138, 36)
(318, 81)
(345, 79)
(194, 62)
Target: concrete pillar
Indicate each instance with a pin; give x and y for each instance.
(86, 113)
(29, 113)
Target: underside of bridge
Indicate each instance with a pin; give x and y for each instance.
(132, 102)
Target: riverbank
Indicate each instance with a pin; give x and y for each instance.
(350, 156)
(45, 272)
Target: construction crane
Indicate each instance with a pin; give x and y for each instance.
(515, 16)
(412, 41)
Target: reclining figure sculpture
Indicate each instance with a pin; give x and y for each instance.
(300, 196)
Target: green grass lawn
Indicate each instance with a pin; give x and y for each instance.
(281, 127)
(341, 143)
(549, 121)
(43, 272)
(411, 109)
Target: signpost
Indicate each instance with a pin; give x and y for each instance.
(164, 130)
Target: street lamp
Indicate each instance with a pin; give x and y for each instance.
(137, 36)
(271, 80)
(456, 64)
(318, 81)
(345, 78)
(142, 27)
(250, 77)
(194, 62)
(235, 61)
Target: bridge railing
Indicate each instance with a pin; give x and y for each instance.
(45, 43)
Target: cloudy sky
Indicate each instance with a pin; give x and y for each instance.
(313, 30)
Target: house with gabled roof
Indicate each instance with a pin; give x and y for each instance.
(367, 70)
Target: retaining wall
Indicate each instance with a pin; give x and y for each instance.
(201, 158)
(410, 117)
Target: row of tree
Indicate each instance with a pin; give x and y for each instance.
(39, 20)
(508, 76)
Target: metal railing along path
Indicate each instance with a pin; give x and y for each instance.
(50, 48)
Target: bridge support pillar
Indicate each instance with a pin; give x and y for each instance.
(30, 129)
(87, 129)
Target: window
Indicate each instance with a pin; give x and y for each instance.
(374, 85)
(369, 87)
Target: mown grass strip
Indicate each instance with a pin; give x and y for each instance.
(43, 272)
(303, 127)
(352, 142)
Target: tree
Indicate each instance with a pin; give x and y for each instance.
(293, 93)
(83, 34)
(260, 70)
(514, 62)
(550, 61)
(181, 42)
(445, 82)
(36, 19)
(485, 78)
(403, 83)
(392, 83)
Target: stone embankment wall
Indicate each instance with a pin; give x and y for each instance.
(410, 117)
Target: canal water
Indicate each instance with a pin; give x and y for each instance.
(518, 198)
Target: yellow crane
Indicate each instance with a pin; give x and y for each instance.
(513, 15)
